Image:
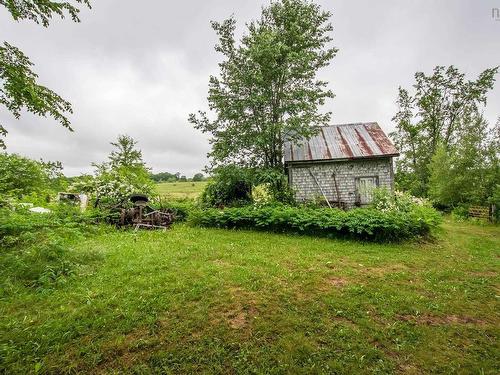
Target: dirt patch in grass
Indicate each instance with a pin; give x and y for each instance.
(240, 312)
(336, 282)
(346, 322)
(237, 319)
(433, 320)
(382, 347)
(385, 270)
(324, 285)
(408, 369)
(401, 368)
(221, 263)
(126, 352)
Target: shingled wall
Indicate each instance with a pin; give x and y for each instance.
(346, 173)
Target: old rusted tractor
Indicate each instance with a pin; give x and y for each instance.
(141, 215)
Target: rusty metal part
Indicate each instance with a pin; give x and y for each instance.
(145, 216)
(347, 141)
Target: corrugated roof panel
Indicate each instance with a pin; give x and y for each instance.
(333, 141)
(319, 149)
(346, 141)
(381, 139)
(375, 150)
(299, 152)
(350, 137)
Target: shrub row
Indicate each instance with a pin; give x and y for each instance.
(361, 223)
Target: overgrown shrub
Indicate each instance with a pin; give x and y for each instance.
(460, 213)
(234, 186)
(386, 200)
(276, 183)
(230, 186)
(20, 176)
(35, 247)
(361, 223)
(495, 200)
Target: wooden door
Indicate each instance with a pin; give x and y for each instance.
(364, 189)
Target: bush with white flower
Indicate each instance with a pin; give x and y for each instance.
(385, 200)
(114, 181)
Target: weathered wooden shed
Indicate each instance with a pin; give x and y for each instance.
(341, 164)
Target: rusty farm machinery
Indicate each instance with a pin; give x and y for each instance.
(142, 215)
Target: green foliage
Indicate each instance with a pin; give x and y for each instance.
(19, 90)
(125, 154)
(276, 182)
(441, 184)
(386, 200)
(165, 177)
(21, 177)
(124, 174)
(442, 111)
(361, 223)
(261, 195)
(35, 250)
(268, 90)
(460, 213)
(198, 177)
(230, 186)
(495, 200)
(181, 208)
(41, 11)
(468, 172)
(114, 186)
(18, 87)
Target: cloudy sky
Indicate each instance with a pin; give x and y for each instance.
(140, 68)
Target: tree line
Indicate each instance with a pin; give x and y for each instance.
(449, 152)
(174, 177)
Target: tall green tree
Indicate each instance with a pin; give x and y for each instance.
(18, 83)
(198, 177)
(467, 172)
(435, 115)
(125, 153)
(267, 90)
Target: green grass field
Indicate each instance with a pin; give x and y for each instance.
(195, 300)
(181, 190)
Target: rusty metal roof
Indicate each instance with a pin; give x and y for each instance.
(346, 141)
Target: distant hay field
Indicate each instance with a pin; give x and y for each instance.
(181, 190)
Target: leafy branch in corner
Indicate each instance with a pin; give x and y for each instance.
(18, 83)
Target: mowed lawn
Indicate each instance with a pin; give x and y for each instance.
(181, 190)
(194, 300)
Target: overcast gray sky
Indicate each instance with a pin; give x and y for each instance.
(140, 68)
